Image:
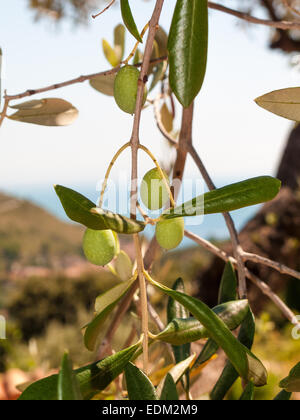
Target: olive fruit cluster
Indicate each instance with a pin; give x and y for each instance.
(125, 88)
(154, 195)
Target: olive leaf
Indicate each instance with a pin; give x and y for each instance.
(169, 391)
(283, 102)
(139, 386)
(246, 363)
(227, 293)
(292, 382)
(187, 330)
(119, 41)
(187, 45)
(68, 386)
(176, 372)
(232, 197)
(47, 112)
(110, 53)
(104, 305)
(229, 374)
(92, 378)
(123, 266)
(129, 20)
(104, 83)
(81, 210)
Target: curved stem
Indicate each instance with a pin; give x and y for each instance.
(113, 161)
(136, 45)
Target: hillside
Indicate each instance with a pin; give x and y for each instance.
(31, 236)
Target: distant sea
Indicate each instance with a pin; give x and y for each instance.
(210, 227)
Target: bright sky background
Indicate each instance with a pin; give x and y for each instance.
(235, 138)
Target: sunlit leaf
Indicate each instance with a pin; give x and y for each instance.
(283, 102)
(166, 117)
(176, 372)
(123, 266)
(139, 386)
(248, 365)
(92, 378)
(119, 41)
(105, 304)
(104, 84)
(292, 382)
(229, 374)
(227, 293)
(68, 386)
(232, 197)
(187, 330)
(129, 20)
(110, 53)
(81, 210)
(169, 391)
(176, 310)
(187, 47)
(47, 112)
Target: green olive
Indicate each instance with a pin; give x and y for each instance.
(154, 193)
(125, 89)
(100, 246)
(169, 233)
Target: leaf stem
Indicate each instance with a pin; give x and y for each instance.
(136, 45)
(113, 161)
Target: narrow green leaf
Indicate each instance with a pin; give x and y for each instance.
(119, 41)
(110, 53)
(176, 372)
(92, 379)
(139, 386)
(232, 197)
(81, 210)
(248, 366)
(248, 394)
(227, 293)
(174, 311)
(283, 102)
(48, 112)
(104, 84)
(229, 374)
(181, 331)
(283, 396)
(292, 382)
(169, 391)
(129, 20)
(228, 286)
(68, 386)
(188, 43)
(105, 304)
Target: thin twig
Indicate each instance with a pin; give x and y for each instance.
(80, 79)
(257, 281)
(281, 268)
(4, 111)
(104, 10)
(285, 25)
(291, 7)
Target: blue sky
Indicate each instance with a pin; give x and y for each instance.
(235, 138)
